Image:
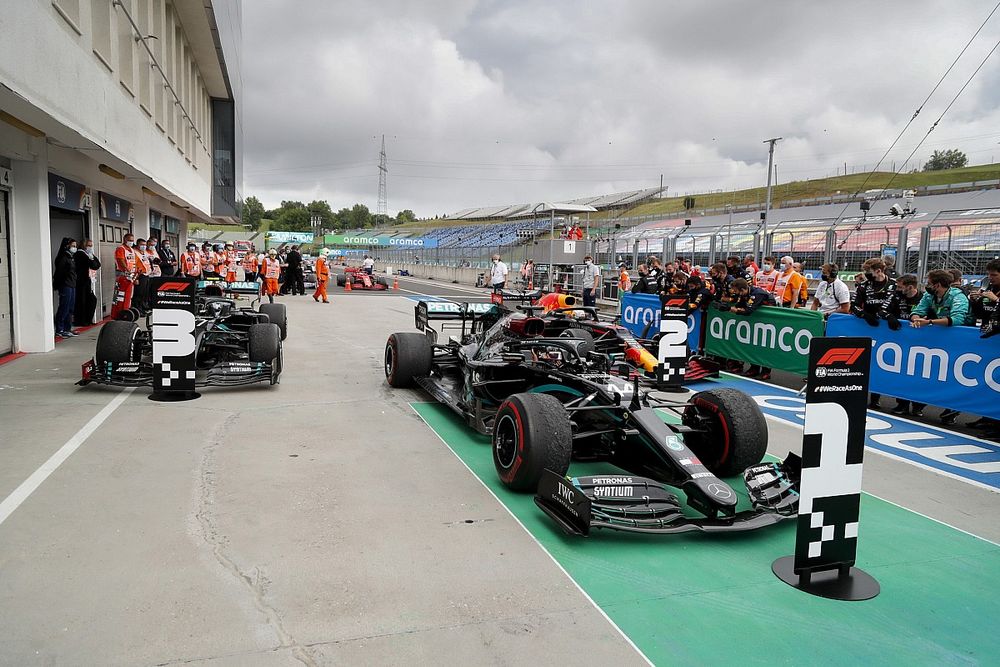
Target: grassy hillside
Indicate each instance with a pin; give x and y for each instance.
(820, 187)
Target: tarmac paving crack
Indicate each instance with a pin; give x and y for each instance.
(253, 581)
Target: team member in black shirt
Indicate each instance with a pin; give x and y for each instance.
(898, 307)
(869, 298)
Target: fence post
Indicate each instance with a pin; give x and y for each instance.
(828, 248)
(922, 253)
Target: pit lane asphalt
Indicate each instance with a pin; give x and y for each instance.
(316, 522)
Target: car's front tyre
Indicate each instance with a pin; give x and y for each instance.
(531, 433)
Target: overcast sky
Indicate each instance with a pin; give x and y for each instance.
(488, 102)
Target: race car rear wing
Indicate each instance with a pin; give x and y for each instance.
(432, 311)
(220, 287)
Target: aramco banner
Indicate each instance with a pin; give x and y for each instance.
(771, 337)
(638, 310)
(379, 241)
(950, 367)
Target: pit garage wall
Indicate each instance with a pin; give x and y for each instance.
(31, 254)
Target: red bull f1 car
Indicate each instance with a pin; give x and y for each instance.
(235, 345)
(546, 393)
(360, 279)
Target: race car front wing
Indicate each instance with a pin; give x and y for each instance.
(140, 373)
(636, 504)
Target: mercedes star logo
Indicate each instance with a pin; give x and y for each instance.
(720, 491)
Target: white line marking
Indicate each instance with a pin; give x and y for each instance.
(535, 539)
(901, 459)
(28, 486)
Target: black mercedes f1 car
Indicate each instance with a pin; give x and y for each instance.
(545, 394)
(235, 345)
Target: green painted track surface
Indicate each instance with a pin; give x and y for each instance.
(697, 599)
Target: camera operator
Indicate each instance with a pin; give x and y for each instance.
(900, 304)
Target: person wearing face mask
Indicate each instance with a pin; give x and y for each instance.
(901, 303)
(191, 262)
(208, 262)
(228, 267)
(984, 303)
(270, 270)
(142, 270)
(498, 274)
(790, 289)
(125, 276)
(941, 305)
(168, 259)
(665, 283)
(720, 281)
(744, 299)
(87, 265)
(767, 275)
(699, 297)
(591, 282)
(64, 282)
(832, 295)
(736, 268)
(250, 263)
(153, 257)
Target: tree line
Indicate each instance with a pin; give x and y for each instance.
(296, 216)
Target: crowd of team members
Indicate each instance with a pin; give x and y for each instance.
(740, 286)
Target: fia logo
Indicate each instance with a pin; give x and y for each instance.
(60, 192)
(820, 372)
(118, 208)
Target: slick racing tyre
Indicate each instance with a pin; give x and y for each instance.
(341, 280)
(732, 433)
(580, 334)
(531, 433)
(277, 314)
(265, 342)
(407, 355)
(117, 342)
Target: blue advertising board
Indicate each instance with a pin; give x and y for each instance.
(950, 367)
(638, 310)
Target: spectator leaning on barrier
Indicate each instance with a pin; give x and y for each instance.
(744, 300)
(735, 268)
(832, 295)
(898, 307)
(941, 305)
(984, 304)
(699, 297)
(790, 289)
(869, 297)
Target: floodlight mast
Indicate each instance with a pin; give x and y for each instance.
(767, 201)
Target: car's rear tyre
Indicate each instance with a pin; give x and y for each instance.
(735, 435)
(341, 280)
(531, 433)
(277, 314)
(117, 342)
(407, 355)
(580, 334)
(381, 280)
(265, 342)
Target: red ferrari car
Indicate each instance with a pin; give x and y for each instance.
(361, 280)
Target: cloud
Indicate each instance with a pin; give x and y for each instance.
(495, 102)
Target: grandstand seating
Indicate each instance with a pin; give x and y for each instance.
(600, 202)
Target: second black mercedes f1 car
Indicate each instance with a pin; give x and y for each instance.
(545, 395)
(235, 345)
